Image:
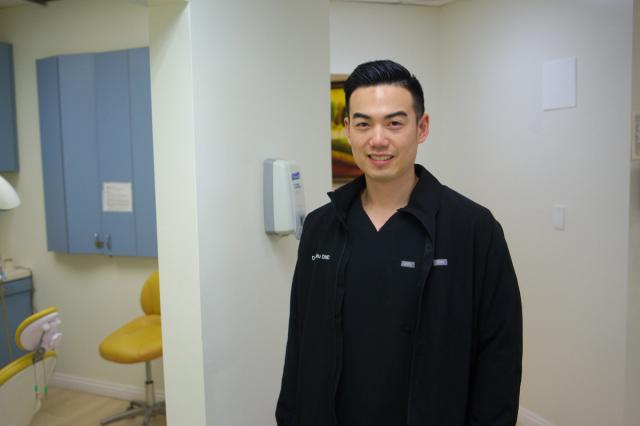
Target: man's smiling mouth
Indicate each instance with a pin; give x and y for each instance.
(380, 157)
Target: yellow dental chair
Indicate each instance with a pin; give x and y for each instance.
(137, 341)
(29, 374)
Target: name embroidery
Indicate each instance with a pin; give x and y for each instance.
(319, 256)
(440, 262)
(408, 264)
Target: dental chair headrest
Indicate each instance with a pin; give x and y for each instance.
(40, 330)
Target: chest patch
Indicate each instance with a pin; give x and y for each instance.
(408, 264)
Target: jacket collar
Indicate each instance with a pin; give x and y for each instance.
(423, 202)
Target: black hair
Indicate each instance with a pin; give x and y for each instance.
(381, 72)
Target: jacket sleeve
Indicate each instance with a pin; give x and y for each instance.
(497, 366)
(286, 406)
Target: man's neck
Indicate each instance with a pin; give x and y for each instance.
(381, 199)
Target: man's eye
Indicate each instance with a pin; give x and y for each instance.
(362, 125)
(395, 124)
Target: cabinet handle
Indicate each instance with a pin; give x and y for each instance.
(97, 241)
(108, 238)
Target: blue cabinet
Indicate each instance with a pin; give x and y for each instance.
(15, 305)
(8, 139)
(97, 153)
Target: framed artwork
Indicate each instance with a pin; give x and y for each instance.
(343, 167)
(635, 137)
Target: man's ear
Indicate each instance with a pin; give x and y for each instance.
(423, 128)
(346, 129)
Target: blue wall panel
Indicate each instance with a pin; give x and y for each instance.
(80, 151)
(8, 139)
(114, 143)
(51, 150)
(142, 148)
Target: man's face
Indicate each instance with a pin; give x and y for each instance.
(384, 132)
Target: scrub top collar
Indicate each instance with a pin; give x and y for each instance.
(424, 201)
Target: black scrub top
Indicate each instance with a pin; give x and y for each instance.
(379, 316)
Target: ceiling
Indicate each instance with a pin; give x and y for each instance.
(412, 2)
(13, 3)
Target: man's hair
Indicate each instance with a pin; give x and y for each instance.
(381, 72)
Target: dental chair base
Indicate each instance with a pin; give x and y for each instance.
(148, 408)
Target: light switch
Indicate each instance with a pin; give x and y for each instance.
(557, 217)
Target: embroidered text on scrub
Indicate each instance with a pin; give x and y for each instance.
(319, 256)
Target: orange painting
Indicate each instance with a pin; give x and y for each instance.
(343, 167)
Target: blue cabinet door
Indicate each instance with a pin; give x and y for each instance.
(76, 74)
(8, 139)
(51, 151)
(114, 146)
(16, 305)
(142, 151)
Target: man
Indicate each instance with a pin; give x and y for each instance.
(405, 308)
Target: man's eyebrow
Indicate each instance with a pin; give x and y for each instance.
(360, 115)
(386, 117)
(396, 114)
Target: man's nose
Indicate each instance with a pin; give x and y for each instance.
(379, 137)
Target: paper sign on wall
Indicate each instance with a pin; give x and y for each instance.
(117, 197)
(559, 85)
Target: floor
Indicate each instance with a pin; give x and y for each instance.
(69, 408)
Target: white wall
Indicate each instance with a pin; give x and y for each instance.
(496, 145)
(520, 161)
(95, 294)
(632, 411)
(261, 79)
(364, 32)
(174, 161)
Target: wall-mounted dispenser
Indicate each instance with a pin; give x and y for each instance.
(284, 207)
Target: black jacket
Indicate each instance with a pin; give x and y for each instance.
(467, 351)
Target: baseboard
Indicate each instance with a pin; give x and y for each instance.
(99, 387)
(529, 418)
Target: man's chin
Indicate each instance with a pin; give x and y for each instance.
(382, 176)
